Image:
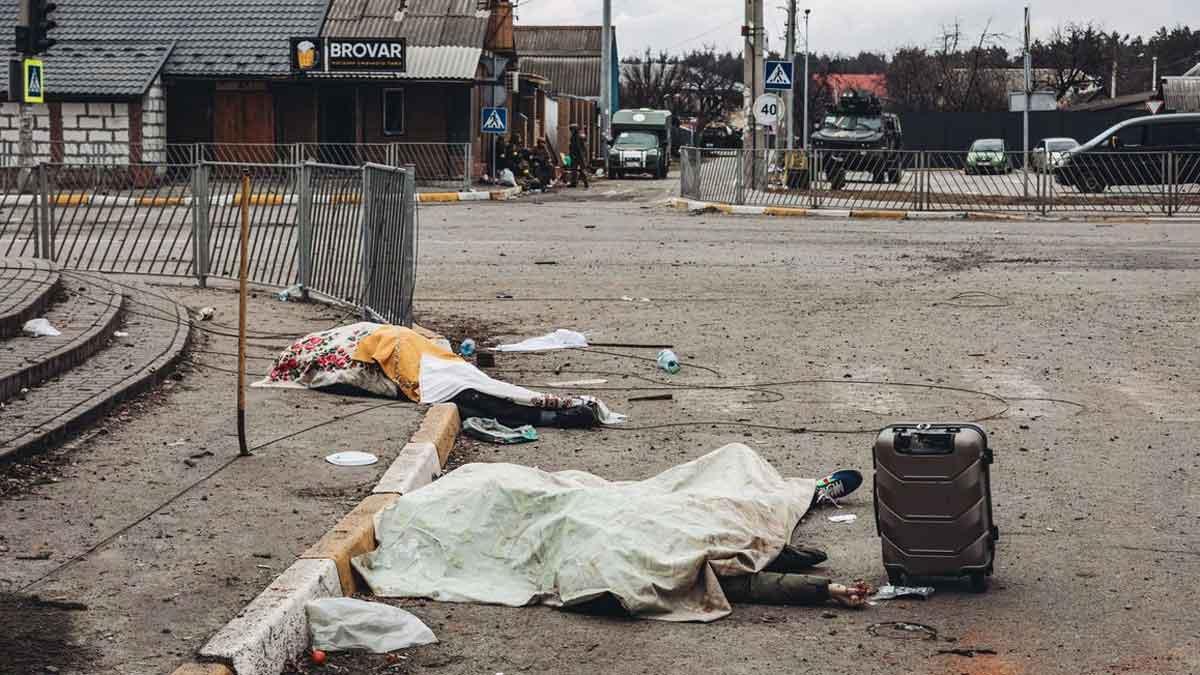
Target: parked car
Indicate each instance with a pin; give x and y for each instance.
(1049, 152)
(987, 155)
(1134, 152)
(718, 135)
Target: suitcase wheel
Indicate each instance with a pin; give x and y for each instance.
(979, 582)
(897, 577)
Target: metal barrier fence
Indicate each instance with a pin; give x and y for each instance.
(1145, 183)
(348, 234)
(438, 165)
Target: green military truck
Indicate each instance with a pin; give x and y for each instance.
(641, 143)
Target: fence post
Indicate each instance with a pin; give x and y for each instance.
(410, 229)
(304, 227)
(366, 244)
(739, 186)
(200, 223)
(467, 167)
(44, 218)
(1169, 178)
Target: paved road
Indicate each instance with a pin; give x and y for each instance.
(1094, 497)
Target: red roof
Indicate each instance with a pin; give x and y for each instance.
(876, 83)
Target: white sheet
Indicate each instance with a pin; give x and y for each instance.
(559, 339)
(515, 535)
(443, 379)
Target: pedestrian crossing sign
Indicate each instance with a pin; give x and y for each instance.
(779, 75)
(35, 81)
(494, 121)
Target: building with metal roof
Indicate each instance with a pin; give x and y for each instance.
(231, 72)
(569, 57)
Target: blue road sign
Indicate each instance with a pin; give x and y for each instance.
(779, 75)
(494, 121)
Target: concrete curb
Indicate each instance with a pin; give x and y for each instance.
(878, 214)
(473, 196)
(273, 627)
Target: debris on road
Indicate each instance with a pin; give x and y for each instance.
(559, 339)
(843, 518)
(40, 328)
(577, 383)
(351, 458)
(969, 652)
(342, 624)
(890, 592)
(668, 361)
(206, 313)
(493, 432)
(903, 630)
(654, 397)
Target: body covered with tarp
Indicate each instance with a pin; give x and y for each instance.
(515, 535)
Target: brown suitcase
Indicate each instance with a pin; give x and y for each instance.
(933, 502)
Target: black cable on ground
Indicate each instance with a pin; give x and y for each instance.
(635, 357)
(224, 465)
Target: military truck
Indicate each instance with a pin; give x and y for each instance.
(858, 136)
(641, 143)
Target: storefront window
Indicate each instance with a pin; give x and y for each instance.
(393, 112)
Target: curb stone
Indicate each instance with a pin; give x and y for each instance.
(473, 196)
(273, 627)
(790, 211)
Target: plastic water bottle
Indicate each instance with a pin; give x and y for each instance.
(668, 361)
(467, 348)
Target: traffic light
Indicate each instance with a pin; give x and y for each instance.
(34, 24)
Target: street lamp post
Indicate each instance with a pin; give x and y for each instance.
(806, 13)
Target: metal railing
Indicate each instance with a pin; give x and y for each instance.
(438, 165)
(1145, 183)
(348, 234)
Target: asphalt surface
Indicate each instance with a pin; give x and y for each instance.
(1076, 342)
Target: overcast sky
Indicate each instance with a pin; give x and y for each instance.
(846, 26)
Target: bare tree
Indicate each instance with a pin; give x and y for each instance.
(1077, 55)
(651, 82)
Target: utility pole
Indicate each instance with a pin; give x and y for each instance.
(790, 48)
(752, 63)
(1025, 116)
(1154, 77)
(806, 50)
(606, 93)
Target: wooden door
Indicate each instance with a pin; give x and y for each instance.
(244, 127)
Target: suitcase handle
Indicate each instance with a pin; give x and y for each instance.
(924, 443)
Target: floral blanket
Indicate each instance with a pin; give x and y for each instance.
(326, 359)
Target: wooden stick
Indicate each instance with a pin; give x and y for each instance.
(654, 397)
(243, 273)
(629, 345)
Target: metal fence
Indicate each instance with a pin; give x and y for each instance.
(1138, 183)
(438, 165)
(347, 234)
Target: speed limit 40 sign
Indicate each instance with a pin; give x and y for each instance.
(768, 110)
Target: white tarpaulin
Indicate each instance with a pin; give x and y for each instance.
(442, 380)
(559, 339)
(515, 535)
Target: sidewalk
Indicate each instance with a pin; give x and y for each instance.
(156, 591)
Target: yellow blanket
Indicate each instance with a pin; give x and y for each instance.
(398, 352)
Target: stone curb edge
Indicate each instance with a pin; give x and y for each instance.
(474, 196)
(742, 210)
(273, 627)
(97, 405)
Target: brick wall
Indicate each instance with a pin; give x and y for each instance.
(91, 133)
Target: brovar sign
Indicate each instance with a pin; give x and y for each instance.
(332, 55)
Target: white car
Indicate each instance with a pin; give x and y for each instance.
(1048, 154)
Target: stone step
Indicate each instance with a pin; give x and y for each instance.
(85, 311)
(27, 286)
(65, 404)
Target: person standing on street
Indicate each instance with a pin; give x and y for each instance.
(579, 160)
